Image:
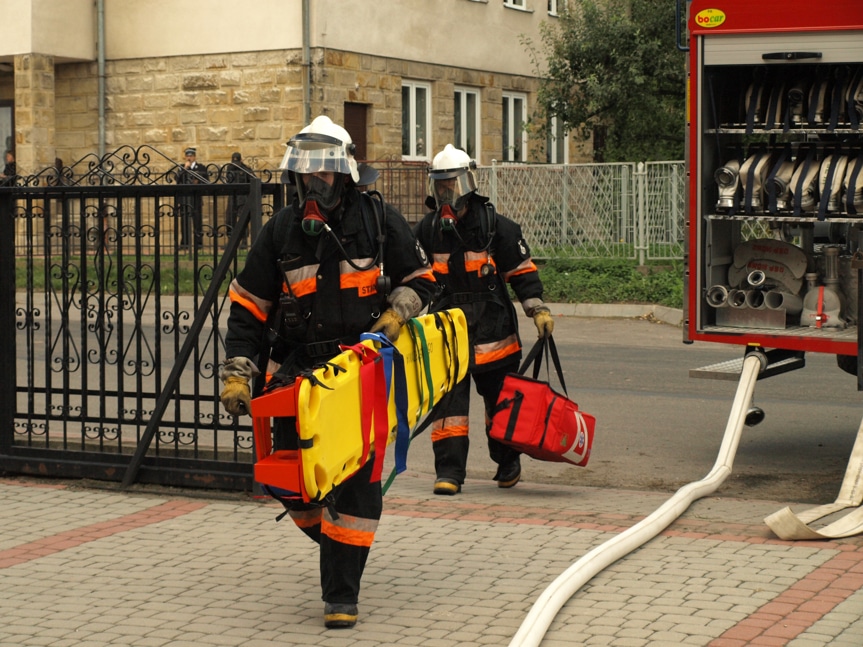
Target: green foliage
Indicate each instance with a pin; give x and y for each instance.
(175, 274)
(611, 67)
(611, 281)
(565, 280)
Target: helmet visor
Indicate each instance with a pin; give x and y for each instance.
(315, 153)
(451, 187)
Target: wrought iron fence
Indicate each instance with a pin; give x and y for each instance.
(628, 210)
(117, 281)
(403, 185)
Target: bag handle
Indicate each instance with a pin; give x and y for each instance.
(534, 357)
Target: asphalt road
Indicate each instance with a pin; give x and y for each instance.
(658, 428)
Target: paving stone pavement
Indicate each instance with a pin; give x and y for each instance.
(83, 566)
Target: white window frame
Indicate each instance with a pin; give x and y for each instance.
(515, 4)
(462, 116)
(511, 128)
(419, 148)
(554, 132)
(554, 7)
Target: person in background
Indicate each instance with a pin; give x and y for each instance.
(475, 253)
(9, 170)
(237, 172)
(189, 207)
(313, 280)
(64, 176)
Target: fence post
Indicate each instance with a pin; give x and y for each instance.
(493, 183)
(675, 203)
(7, 321)
(564, 196)
(641, 212)
(254, 202)
(626, 211)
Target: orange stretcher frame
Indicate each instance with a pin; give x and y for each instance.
(283, 468)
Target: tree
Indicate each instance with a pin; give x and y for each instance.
(614, 71)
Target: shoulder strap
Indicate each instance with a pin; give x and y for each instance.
(280, 230)
(491, 214)
(373, 201)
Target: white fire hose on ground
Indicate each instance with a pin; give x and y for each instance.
(535, 625)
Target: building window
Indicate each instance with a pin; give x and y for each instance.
(416, 120)
(514, 133)
(557, 144)
(466, 115)
(518, 4)
(7, 127)
(555, 7)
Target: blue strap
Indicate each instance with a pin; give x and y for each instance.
(394, 369)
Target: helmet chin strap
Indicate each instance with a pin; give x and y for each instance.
(448, 218)
(314, 222)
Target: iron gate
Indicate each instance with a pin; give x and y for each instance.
(113, 283)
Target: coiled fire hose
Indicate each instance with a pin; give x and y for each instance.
(535, 625)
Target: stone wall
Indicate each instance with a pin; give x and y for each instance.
(34, 111)
(253, 103)
(250, 103)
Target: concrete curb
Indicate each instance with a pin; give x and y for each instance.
(672, 316)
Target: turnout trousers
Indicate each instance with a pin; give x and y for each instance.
(344, 541)
(450, 423)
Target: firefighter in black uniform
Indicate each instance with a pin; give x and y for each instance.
(318, 268)
(475, 252)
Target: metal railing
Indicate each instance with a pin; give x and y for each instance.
(632, 211)
(115, 321)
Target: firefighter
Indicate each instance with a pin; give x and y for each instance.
(475, 252)
(313, 280)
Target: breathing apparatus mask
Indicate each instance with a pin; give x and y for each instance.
(320, 147)
(451, 182)
(318, 199)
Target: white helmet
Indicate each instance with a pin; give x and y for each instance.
(451, 164)
(322, 146)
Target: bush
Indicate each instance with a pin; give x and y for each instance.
(611, 281)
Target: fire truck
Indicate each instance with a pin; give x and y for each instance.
(775, 178)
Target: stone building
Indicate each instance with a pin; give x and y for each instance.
(404, 76)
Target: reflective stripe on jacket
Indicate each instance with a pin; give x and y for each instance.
(333, 299)
(472, 274)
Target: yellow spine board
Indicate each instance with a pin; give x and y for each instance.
(448, 356)
(435, 352)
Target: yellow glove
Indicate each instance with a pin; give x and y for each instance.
(544, 322)
(237, 397)
(390, 323)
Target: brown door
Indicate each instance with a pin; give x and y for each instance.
(355, 124)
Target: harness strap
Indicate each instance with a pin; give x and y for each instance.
(836, 101)
(819, 314)
(373, 406)
(851, 188)
(396, 380)
(426, 361)
(325, 349)
(828, 183)
(463, 298)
